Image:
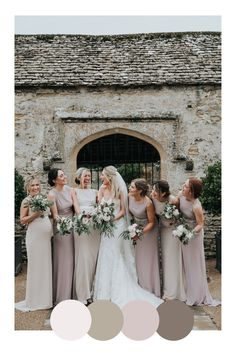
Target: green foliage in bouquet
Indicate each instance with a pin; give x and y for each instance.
(211, 195)
(20, 193)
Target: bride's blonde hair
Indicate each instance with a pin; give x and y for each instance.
(111, 173)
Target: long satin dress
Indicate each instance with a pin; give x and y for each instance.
(197, 291)
(39, 265)
(63, 250)
(173, 286)
(146, 250)
(86, 250)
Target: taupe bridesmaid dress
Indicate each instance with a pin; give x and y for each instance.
(146, 250)
(171, 257)
(39, 265)
(63, 250)
(86, 250)
(197, 291)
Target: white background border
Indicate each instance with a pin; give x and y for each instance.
(46, 341)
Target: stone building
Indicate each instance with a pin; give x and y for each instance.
(153, 100)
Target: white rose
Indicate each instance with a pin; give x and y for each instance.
(176, 212)
(106, 210)
(106, 218)
(181, 228)
(85, 221)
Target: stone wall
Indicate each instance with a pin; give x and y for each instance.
(181, 122)
(212, 226)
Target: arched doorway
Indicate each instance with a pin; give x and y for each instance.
(132, 157)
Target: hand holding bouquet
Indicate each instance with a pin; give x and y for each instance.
(38, 203)
(64, 225)
(170, 212)
(103, 217)
(82, 222)
(134, 233)
(184, 233)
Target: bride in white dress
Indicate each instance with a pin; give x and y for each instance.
(116, 276)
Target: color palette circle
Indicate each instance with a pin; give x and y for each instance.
(141, 320)
(107, 320)
(70, 319)
(176, 320)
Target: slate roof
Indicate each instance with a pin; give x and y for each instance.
(121, 60)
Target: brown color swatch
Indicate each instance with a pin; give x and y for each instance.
(176, 320)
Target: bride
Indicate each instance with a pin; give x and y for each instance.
(116, 276)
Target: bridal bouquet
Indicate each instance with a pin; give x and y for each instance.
(134, 233)
(184, 233)
(103, 217)
(38, 202)
(82, 222)
(170, 212)
(64, 225)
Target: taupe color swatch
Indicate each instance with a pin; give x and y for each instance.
(141, 320)
(107, 320)
(176, 320)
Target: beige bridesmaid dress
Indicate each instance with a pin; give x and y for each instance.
(86, 250)
(39, 265)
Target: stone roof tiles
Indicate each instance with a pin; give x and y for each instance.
(122, 60)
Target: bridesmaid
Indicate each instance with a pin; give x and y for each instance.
(171, 254)
(146, 250)
(38, 246)
(86, 246)
(197, 291)
(63, 246)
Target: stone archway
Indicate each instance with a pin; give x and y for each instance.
(145, 140)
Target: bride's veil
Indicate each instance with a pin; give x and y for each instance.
(122, 188)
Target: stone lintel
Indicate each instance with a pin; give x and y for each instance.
(74, 117)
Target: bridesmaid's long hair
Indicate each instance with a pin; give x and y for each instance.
(195, 186)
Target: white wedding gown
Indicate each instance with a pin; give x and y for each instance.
(116, 276)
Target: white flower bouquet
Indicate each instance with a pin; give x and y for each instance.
(103, 217)
(37, 203)
(170, 212)
(134, 233)
(82, 222)
(64, 225)
(184, 233)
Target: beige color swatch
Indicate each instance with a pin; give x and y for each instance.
(107, 320)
